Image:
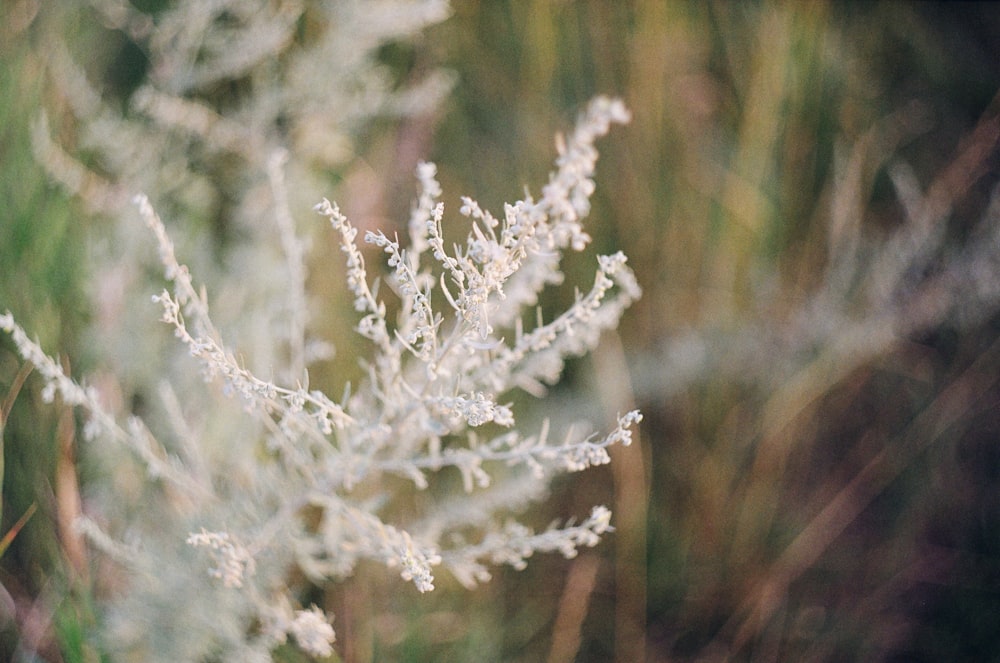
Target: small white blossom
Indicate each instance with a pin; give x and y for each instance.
(416, 564)
(234, 562)
(312, 630)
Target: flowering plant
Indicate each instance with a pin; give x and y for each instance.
(323, 473)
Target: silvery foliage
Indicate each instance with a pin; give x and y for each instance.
(258, 478)
(230, 85)
(879, 286)
(314, 487)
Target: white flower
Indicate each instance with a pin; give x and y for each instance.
(313, 632)
(234, 561)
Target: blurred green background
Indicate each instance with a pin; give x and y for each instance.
(817, 474)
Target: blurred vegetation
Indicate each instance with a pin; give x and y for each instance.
(801, 505)
(790, 500)
(42, 284)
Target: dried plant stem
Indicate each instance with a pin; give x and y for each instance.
(573, 607)
(67, 489)
(631, 506)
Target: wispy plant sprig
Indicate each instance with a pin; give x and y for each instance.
(435, 401)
